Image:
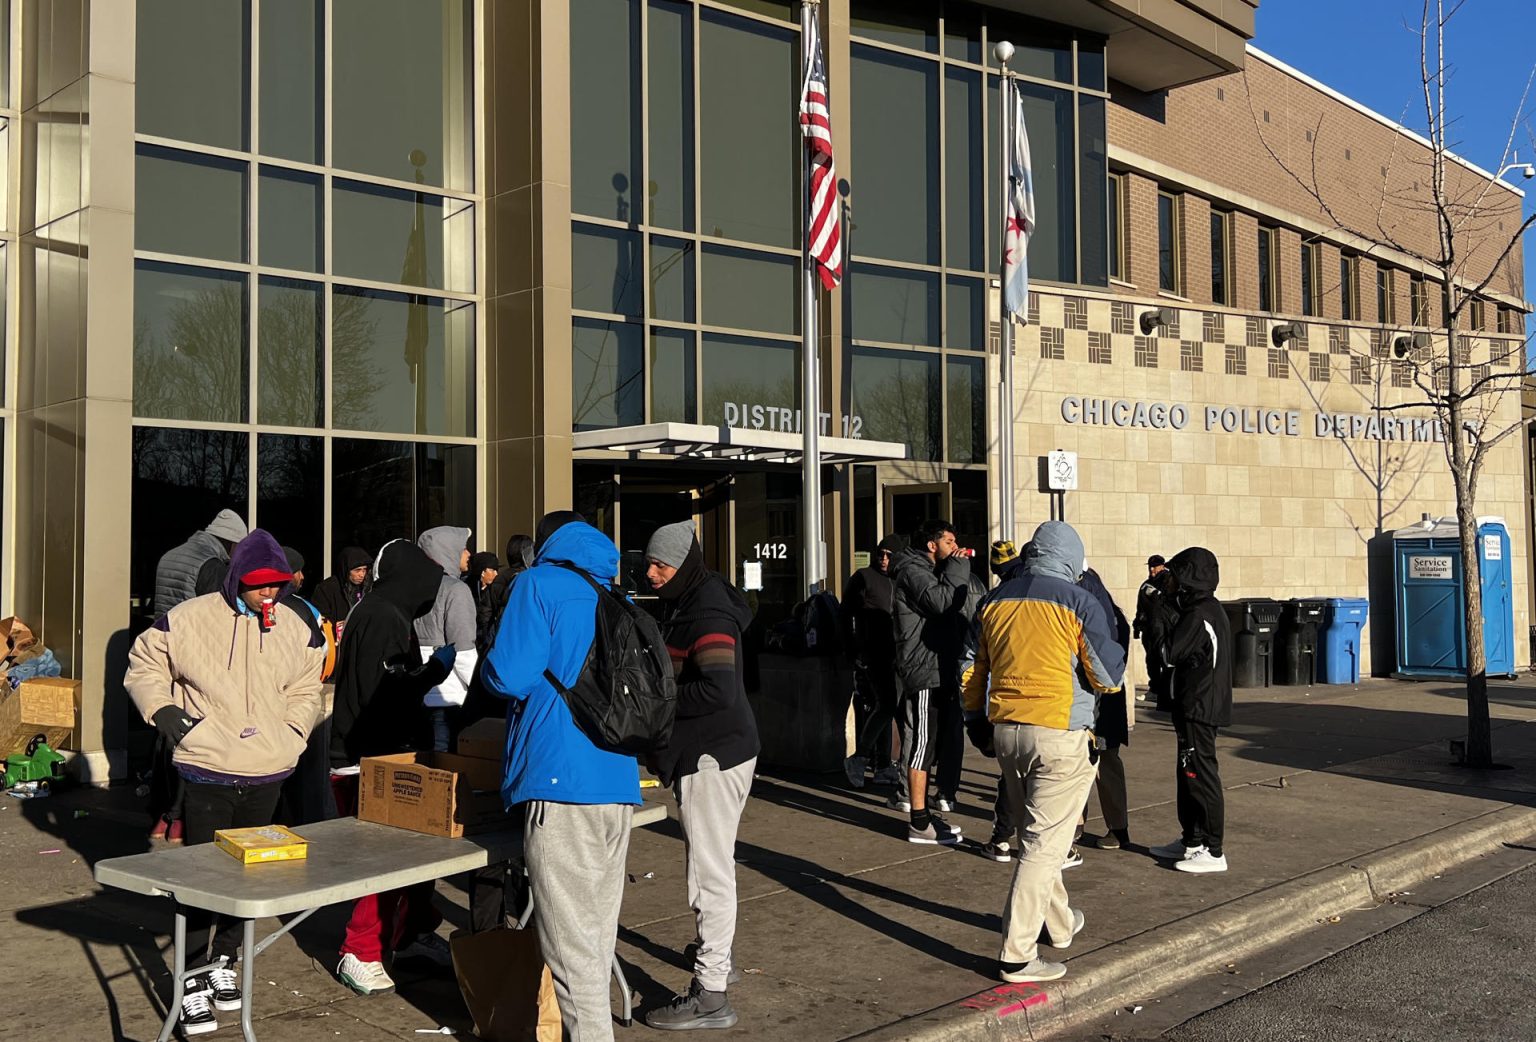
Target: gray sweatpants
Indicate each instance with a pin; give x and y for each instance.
(575, 857)
(709, 806)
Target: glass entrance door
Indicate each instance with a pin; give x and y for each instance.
(908, 506)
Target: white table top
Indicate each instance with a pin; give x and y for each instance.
(347, 859)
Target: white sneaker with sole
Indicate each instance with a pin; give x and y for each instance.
(1078, 922)
(938, 833)
(1029, 973)
(197, 1016)
(1073, 859)
(1175, 851)
(895, 802)
(224, 985)
(365, 978)
(1201, 860)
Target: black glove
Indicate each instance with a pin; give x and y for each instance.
(979, 731)
(173, 722)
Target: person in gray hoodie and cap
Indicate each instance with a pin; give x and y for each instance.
(176, 574)
(451, 622)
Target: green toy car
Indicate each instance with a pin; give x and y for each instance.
(38, 764)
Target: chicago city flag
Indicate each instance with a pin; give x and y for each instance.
(1020, 219)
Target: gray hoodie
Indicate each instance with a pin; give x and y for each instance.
(452, 618)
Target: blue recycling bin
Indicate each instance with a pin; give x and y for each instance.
(1431, 638)
(1343, 622)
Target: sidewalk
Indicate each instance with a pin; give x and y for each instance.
(845, 928)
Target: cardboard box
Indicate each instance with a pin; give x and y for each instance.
(257, 846)
(440, 794)
(484, 740)
(45, 706)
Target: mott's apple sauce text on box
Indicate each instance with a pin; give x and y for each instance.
(439, 794)
(257, 846)
(484, 740)
(44, 706)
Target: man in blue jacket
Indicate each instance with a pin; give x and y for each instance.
(576, 799)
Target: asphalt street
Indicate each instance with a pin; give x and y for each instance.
(1462, 971)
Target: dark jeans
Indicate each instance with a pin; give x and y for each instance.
(208, 809)
(1202, 805)
(874, 711)
(307, 796)
(445, 722)
(951, 743)
(1114, 804)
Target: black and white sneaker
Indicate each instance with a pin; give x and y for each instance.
(224, 983)
(197, 1017)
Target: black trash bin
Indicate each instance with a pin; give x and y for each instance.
(1296, 657)
(1253, 621)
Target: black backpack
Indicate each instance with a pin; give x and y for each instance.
(625, 698)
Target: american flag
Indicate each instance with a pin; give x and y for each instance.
(824, 235)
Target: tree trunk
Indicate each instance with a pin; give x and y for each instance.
(1479, 730)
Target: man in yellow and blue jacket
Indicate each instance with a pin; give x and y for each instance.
(1041, 650)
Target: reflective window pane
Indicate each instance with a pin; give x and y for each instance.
(911, 25)
(605, 108)
(1090, 64)
(193, 70)
(402, 363)
(672, 280)
(290, 225)
(1048, 113)
(292, 78)
(751, 383)
(181, 479)
(786, 10)
(1035, 52)
(966, 407)
(383, 490)
(389, 235)
(607, 374)
(401, 89)
(965, 323)
(290, 497)
(290, 326)
(745, 290)
(962, 33)
(190, 356)
(1094, 179)
(189, 204)
(669, 193)
(895, 129)
(749, 73)
(896, 394)
(965, 171)
(893, 305)
(673, 383)
(605, 270)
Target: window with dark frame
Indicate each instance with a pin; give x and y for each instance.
(1221, 252)
(1268, 285)
(1167, 243)
(1479, 315)
(1418, 301)
(1349, 286)
(1311, 272)
(1116, 225)
(1386, 296)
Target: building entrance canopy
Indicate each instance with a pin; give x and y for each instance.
(699, 441)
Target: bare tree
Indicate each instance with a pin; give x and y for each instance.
(1456, 235)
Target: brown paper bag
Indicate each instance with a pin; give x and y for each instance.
(506, 986)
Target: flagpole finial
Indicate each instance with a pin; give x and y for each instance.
(1003, 52)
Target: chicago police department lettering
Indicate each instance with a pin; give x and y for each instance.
(1231, 419)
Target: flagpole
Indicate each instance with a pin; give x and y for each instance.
(1004, 53)
(810, 398)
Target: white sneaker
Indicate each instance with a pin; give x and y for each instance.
(1201, 860)
(1175, 851)
(1078, 922)
(197, 1017)
(895, 802)
(427, 946)
(1073, 859)
(853, 767)
(365, 978)
(224, 985)
(944, 804)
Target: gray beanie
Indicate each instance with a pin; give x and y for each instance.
(671, 543)
(227, 525)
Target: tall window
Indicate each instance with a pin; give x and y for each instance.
(1116, 222)
(1311, 270)
(1479, 316)
(1168, 252)
(1418, 301)
(1269, 281)
(305, 291)
(1349, 287)
(1386, 296)
(1221, 255)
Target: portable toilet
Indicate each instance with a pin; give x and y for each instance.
(1431, 640)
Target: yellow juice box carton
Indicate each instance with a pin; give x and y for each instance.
(257, 846)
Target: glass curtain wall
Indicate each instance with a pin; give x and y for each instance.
(305, 292)
(922, 211)
(9, 361)
(686, 213)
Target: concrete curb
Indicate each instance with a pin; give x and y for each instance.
(1170, 956)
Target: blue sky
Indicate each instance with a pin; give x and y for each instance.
(1369, 50)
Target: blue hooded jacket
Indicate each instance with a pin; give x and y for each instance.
(548, 624)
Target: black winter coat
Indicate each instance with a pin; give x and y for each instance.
(1200, 645)
(927, 618)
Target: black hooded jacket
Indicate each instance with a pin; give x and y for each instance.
(927, 617)
(380, 678)
(338, 595)
(703, 617)
(1200, 644)
(488, 617)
